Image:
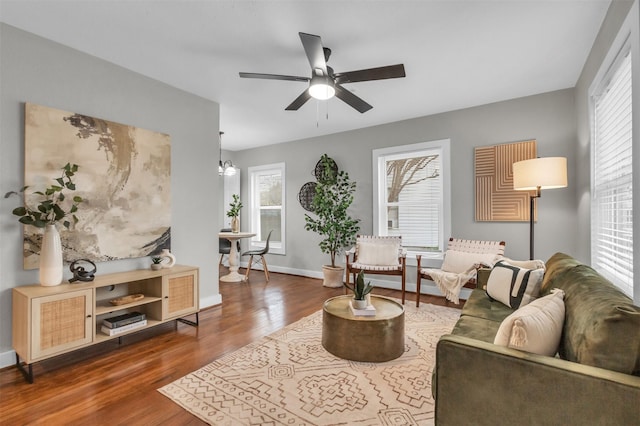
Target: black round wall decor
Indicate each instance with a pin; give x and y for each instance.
(318, 172)
(306, 194)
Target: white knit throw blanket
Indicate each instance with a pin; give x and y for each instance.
(451, 283)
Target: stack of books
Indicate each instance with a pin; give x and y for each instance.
(125, 322)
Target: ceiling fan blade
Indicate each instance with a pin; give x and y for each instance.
(351, 99)
(381, 73)
(299, 101)
(315, 53)
(273, 76)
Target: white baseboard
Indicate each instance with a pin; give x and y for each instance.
(425, 288)
(285, 270)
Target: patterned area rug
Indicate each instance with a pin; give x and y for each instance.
(288, 378)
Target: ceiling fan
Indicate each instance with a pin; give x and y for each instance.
(324, 83)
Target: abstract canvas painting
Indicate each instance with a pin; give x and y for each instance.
(496, 200)
(124, 177)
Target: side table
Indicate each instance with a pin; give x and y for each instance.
(376, 338)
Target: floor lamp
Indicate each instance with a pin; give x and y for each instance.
(537, 174)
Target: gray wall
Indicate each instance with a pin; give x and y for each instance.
(40, 71)
(549, 118)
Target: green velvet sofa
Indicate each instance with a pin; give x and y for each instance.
(594, 379)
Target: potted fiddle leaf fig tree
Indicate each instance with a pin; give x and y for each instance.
(333, 197)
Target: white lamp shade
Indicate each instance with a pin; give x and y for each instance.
(543, 173)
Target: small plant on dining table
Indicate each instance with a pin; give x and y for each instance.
(235, 206)
(360, 289)
(156, 260)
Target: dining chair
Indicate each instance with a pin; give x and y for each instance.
(260, 254)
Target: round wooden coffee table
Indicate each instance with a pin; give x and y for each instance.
(363, 338)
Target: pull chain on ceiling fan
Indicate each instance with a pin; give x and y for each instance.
(324, 83)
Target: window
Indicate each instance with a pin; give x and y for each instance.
(266, 204)
(611, 175)
(412, 195)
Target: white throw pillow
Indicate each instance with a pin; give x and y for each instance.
(459, 261)
(526, 264)
(512, 285)
(378, 253)
(535, 328)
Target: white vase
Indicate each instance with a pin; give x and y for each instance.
(51, 257)
(168, 260)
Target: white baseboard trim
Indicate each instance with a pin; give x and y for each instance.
(285, 270)
(7, 358)
(425, 288)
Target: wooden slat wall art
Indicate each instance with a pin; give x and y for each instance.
(496, 200)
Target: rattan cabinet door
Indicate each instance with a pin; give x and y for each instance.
(180, 295)
(61, 322)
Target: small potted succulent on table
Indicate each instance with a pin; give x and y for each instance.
(156, 262)
(360, 292)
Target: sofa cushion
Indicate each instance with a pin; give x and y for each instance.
(512, 285)
(480, 305)
(536, 327)
(602, 326)
(476, 328)
(559, 262)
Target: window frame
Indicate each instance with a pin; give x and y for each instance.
(379, 191)
(627, 38)
(253, 172)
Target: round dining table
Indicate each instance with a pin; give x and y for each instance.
(233, 275)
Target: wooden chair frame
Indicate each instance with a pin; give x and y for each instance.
(351, 269)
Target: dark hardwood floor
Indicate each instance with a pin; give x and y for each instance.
(116, 384)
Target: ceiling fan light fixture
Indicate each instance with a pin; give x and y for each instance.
(321, 88)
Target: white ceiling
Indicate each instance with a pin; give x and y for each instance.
(456, 54)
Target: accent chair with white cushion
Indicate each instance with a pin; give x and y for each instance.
(459, 267)
(377, 255)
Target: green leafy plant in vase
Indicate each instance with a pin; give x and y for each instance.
(333, 197)
(53, 207)
(234, 212)
(360, 291)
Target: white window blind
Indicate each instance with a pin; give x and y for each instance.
(611, 195)
(267, 206)
(411, 195)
